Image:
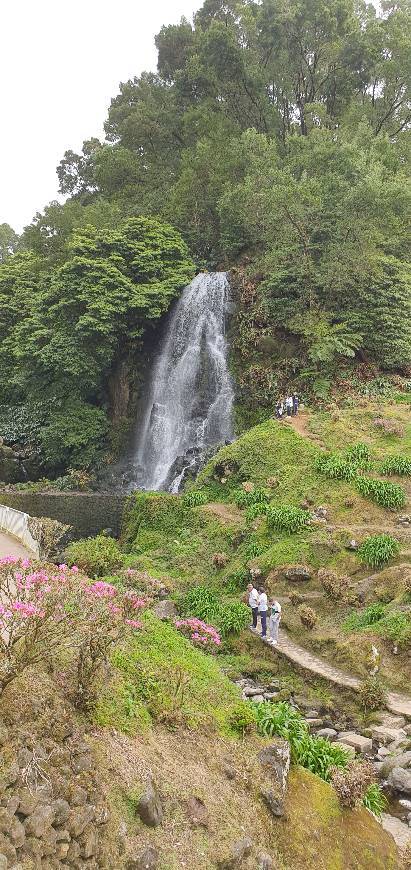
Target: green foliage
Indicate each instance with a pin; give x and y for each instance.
(259, 509)
(232, 618)
(397, 464)
(372, 694)
(315, 753)
(160, 676)
(202, 602)
(242, 719)
(74, 436)
(378, 549)
(195, 498)
(237, 581)
(287, 518)
(335, 467)
(95, 556)
(375, 800)
(358, 620)
(396, 627)
(257, 496)
(384, 493)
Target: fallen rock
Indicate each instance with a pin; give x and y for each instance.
(384, 735)
(251, 691)
(258, 699)
(275, 763)
(297, 573)
(149, 807)
(165, 609)
(61, 810)
(400, 780)
(148, 860)
(197, 812)
(79, 819)
(398, 830)
(329, 733)
(313, 723)
(388, 720)
(265, 862)
(242, 849)
(361, 744)
(402, 759)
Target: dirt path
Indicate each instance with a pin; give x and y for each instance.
(396, 703)
(227, 513)
(10, 547)
(300, 425)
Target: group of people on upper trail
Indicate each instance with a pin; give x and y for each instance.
(261, 608)
(288, 406)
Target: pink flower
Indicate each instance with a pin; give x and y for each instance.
(134, 623)
(74, 569)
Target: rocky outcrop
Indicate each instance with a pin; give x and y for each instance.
(297, 573)
(149, 807)
(275, 764)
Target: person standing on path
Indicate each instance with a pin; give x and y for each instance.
(262, 609)
(274, 624)
(296, 403)
(289, 405)
(253, 599)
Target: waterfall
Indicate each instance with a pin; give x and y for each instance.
(188, 405)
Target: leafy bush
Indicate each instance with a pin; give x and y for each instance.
(320, 756)
(280, 719)
(237, 581)
(375, 800)
(335, 467)
(96, 556)
(233, 617)
(307, 615)
(358, 453)
(378, 549)
(202, 635)
(333, 584)
(243, 498)
(398, 464)
(259, 509)
(296, 598)
(195, 498)
(357, 621)
(287, 518)
(253, 549)
(353, 782)
(202, 602)
(371, 694)
(395, 626)
(384, 493)
(242, 718)
(315, 753)
(74, 435)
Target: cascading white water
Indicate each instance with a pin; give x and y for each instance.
(189, 402)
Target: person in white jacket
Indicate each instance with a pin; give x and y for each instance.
(274, 624)
(253, 603)
(262, 609)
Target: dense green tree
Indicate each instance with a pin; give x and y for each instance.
(8, 242)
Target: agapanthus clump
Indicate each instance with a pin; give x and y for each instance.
(46, 609)
(200, 633)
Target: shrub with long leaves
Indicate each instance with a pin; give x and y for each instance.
(374, 800)
(244, 499)
(378, 549)
(383, 492)
(358, 620)
(195, 498)
(201, 602)
(397, 464)
(287, 518)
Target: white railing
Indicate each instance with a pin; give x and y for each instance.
(16, 524)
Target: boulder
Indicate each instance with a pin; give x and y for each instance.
(62, 811)
(400, 780)
(148, 860)
(197, 812)
(251, 691)
(384, 735)
(258, 699)
(275, 763)
(265, 862)
(388, 720)
(361, 744)
(149, 807)
(402, 759)
(165, 609)
(349, 749)
(3, 862)
(241, 850)
(17, 833)
(329, 733)
(297, 573)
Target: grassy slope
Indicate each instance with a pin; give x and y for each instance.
(177, 543)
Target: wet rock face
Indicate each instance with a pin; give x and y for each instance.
(275, 764)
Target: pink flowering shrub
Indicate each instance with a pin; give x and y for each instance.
(46, 609)
(202, 635)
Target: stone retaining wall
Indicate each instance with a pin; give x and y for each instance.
(87, 513)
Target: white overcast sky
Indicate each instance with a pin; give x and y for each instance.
(60, 65)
